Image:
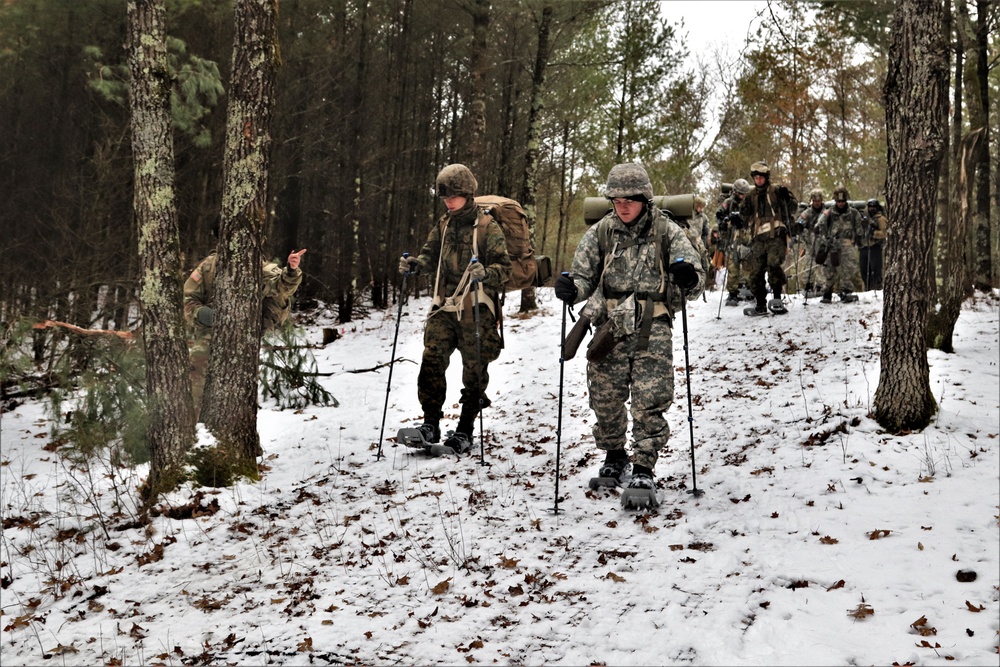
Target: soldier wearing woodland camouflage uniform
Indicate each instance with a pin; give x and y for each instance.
(199, 309)
(840, 229)
(875, 228)
(631, 265)
(464, 233)
(735, 239)
(767, 211)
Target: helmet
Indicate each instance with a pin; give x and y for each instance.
(760, 168)
(741, 185)
(699, 200)
(815, 195)
(873, 203)
(628, 180)
(840, 194)
(456, 180)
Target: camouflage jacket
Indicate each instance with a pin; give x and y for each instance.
(634, 267)
(841, 224)
(737, 236)
(278, 286)
(450, 241)
(809, 216)
(875, 232)
(765, 212)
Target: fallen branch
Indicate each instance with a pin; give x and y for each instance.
(375, 368)
(127, 336)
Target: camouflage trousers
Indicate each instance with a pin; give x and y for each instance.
(444, 334)
(766, 257)
(648, 377)
(737, 271)
(843, 268)
(198, 358)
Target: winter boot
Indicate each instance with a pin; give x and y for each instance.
(733, 299)
(458, 441)
(755, 311)
(827, 297)
(641, 490)
(777, 305)
(425, 435)
(615, 466)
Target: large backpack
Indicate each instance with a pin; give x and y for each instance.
(514, 223)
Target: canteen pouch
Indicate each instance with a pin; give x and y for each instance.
(575, 337)
(602, 343)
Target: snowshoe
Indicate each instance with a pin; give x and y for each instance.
(733, 300)
(754, 311)
(827, 297)
(848, 297)
(423, 436)
(641, 490)
(746, 294)
(777, 306)
(456, 443)
(616, 465)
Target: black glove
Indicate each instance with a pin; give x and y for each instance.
(736, 221)
(205, 316)
(783, 193)
(566, 289)
(723, 226)
(683, 273)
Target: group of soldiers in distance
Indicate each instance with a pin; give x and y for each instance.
(836, 247)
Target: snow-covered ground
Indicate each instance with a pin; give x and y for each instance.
(819, 539)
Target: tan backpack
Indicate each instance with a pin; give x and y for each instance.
(512, 220)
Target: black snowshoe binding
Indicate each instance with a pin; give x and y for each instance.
(641, 490)
(777, 306)
(755, 311)
(616, 465)
(428, 437)
(848, 297)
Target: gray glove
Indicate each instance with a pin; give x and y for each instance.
(205, 316)
(477, 272)
(409, 264)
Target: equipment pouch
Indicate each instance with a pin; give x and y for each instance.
(835, 257)
(602, 343)
(575, 336)
(821, 254)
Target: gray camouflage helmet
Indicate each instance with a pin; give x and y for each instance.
(456, 180)
(760, 168)
(840, 194)
(628, 180)
(741, 185)
(815, 195)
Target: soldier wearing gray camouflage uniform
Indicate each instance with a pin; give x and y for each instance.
(632, 266)
(735, 239)
(840, 228)
(199, 310)
(462, 234)
(808, 234)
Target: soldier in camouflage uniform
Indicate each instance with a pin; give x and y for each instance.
(806, 222)
(698, 230)
(462, 234)
(767, 212)
(840, 229)
(874, 227)
(736, 241)
(631, 265)
(199, 309)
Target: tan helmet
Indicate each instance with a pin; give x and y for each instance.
(815, 195)
(741, 186)
(456, 180)
(761, 169)
(628, 180)
(840, 194)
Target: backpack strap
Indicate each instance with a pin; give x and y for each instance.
(457, 301)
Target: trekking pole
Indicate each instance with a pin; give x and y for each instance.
(562, 362)
(687, 376)
(812, 262)
(795, 249)
(479, 366)
(722, 289)
(392, 360)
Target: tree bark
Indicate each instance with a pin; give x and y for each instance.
(915, 95)
(529, 301)
(230, 400)
(477, 107)
(168, 385)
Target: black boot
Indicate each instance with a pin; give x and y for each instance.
(615, 465)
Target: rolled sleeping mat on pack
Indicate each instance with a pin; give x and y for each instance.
(678, 206)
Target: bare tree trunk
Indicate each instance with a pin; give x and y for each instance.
(979, 117)
(230, 400)
(916, 101)
(168, 386)
(528, 300)
(477, 108)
